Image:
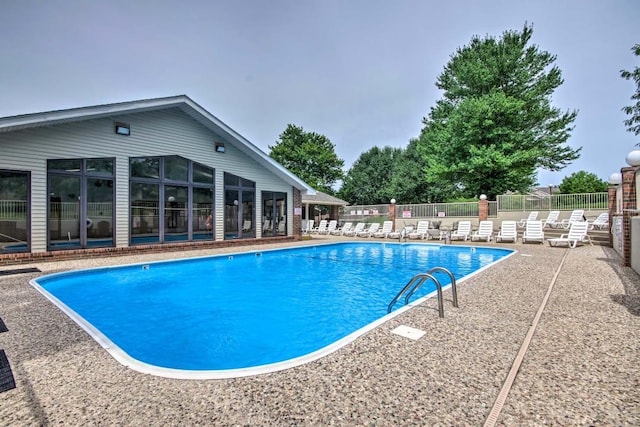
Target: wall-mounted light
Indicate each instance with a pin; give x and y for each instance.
(220, 147)
(123, 129)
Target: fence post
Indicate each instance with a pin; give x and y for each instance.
(483, 208)
(628, 208)
(613, 190)
(392, 213)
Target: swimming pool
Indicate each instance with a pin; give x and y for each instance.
(249, 313)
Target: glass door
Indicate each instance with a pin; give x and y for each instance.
(175, 213)
(64, 212)
(99, 212)
(281, 212)
(202, 214)
(231, 209)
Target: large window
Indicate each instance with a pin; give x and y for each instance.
(171, 200)
(14, 211)
(239, 204)
(274, 213)
(80, 208)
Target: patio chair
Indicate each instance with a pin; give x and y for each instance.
(551, 220)
(398, 233)
(463, 232)
(387, 227)
(533, 232)
(533, 215)
(484, 231)
(246, 225)
(369, 231)
(601, 222)
(330, 227)
(420, 232)
(322, 227)
(577, 234)
(340, 231)
(508, 231)
(576, 215)
(354, 231)
(307, 227)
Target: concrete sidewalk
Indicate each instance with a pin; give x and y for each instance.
(581, 367)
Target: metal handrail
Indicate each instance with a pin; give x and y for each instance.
(418, 280)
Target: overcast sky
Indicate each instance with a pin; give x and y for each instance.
(361, 72)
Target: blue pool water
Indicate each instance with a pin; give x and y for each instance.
(252, 309)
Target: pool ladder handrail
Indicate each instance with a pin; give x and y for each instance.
(418, 280)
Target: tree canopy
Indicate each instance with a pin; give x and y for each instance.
(368, 181)
(582, 182)
(495, 124)
(633, 122)
(310, 156)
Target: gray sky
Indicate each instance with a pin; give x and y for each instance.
(361, 72)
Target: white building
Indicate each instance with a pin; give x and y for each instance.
(147, 172)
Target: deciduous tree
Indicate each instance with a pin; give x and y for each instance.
(633, 122)
(582, 182)
(495, 124)
(310, 156)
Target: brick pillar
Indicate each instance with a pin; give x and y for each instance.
(628, 202)
(297, 219)
(392, 215)
(483, 210)
(612, 210)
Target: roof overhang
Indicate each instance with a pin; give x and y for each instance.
(183, 102)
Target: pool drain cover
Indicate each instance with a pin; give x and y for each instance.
(6, 376)
(408, 332)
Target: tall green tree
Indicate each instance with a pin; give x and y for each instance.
(310, 156)
(368, 181)
(495, 124)
(633, 122)
(582, 182)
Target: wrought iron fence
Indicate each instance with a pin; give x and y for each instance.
(364, 213)
(13, 209)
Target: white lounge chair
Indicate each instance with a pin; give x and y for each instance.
(533, 215)
(340, 231)
(420, 232)
(307, 227)
(576, 215)
(398, 233)
(387, 227)
(533, 232)
(369, 231)
(330, 227)
(463, 232)
(551, 220)
(508, 231)
(577, 234)
(354, 231)
(322, 227)
(246, 225)
(484, 231)
(601, 222)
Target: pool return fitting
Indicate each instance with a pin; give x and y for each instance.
(418, 280)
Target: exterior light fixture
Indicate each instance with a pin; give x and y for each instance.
(483, 197)
(393, 201)
(122, 129)
(220, 148)
(615, 178)
(633, 158)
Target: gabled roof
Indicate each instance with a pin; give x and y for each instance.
(183, 102)
(321, 198)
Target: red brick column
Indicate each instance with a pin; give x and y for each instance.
(392, 215)
(613, 189)
(297, 219)
(483, 210)
(628, 204)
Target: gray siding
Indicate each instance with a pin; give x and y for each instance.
(156, 133)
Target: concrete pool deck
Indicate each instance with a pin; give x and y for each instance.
(580, 368)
